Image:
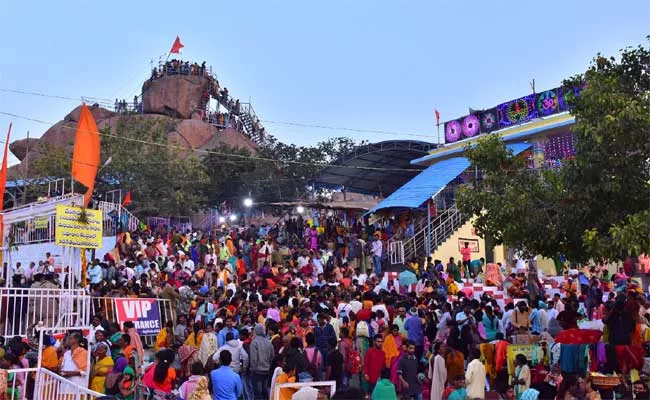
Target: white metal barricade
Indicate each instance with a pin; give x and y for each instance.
(298, 385)
(23, 309)
(18, 382)
(396, 252)
(50, 386)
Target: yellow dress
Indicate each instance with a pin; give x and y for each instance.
(103, 367)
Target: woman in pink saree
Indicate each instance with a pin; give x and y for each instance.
(313, 239)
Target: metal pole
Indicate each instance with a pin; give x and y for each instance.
(438, 125)
(428, 246)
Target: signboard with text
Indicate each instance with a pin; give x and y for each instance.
(144, 313)
(72, 231)
(41, 222)
(473, 244)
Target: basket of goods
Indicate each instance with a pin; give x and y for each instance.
(601, 380)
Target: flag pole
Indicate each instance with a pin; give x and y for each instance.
(438, 126)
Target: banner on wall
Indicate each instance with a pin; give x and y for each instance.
(41, 222)
(528, 350)
(71, 231)
(473, 244)
(144, 313)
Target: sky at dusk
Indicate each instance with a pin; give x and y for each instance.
(367, 65)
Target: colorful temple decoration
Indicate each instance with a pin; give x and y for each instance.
(510, 113)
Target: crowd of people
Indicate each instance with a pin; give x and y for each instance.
(306, 301)
(179, 67)
(122, 106)
(232, 118)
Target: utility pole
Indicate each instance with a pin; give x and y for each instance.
(26, 170)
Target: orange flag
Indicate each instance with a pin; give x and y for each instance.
(127, 199)
(3, 171)
(85, 157)
(177, 46)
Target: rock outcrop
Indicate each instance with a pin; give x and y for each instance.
(177, 96)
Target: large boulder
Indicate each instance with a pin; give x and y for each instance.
(185, 133)
(178, 96)
(232, 138)
(20, 147)
(98, 113)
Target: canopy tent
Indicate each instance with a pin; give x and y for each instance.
(377, 168)
(431, 181)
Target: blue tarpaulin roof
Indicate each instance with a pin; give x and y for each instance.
(430, 181)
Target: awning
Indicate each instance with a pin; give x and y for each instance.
(432, 180)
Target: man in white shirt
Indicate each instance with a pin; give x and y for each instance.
(30, 271)
(19, 271)
(376, 254)
(129, 272)
(475, 376)
(559, 305)
(188, 264)
(382, 307)
(303, 259)
(464, 316)
(360, 277)
(344, 308)
(356, 305)
(507, 317)
(317, 262)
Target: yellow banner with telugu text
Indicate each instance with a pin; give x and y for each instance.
(72, 231)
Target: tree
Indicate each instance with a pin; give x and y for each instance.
(596, 205)
(610, 177)
(162, 182)
(278, 172)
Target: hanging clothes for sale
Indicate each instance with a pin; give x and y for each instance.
(573, 359)
(488, 358)
(500, 355)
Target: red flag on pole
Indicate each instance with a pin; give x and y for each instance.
(85, 156)
(177, 46)
(437, 117)
(3, 171)
(127, 199)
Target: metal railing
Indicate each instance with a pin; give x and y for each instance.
(112, 215)
(396, 252)
(25, 309)
(37, 229)
(17, 383)
(50, 386)
(441, 228)
(181, 68)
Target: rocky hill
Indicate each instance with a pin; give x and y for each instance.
(176, 99)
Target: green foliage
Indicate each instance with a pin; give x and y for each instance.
(164, 183)
(161, 181)
(597, 205)
(278, 172)
(511, 203)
